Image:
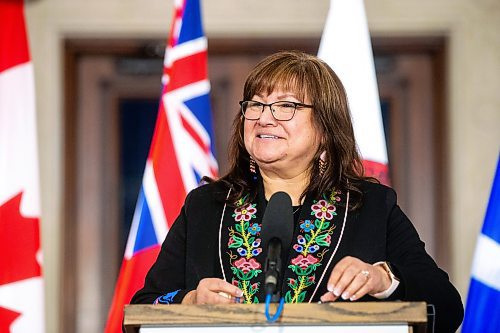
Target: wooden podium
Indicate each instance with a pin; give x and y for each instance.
(346, 316)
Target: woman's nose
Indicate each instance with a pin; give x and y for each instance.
(267, 117)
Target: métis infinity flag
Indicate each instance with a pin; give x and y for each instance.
(482, 312)
(181, 152)
(21, 282)
(346, 47)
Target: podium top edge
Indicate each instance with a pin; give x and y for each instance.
(413, 313)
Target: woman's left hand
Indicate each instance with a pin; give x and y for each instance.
(352, 279)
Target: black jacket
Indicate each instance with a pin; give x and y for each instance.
(377, 231)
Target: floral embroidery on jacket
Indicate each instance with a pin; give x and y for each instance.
(244, 238)
(167, 298)
(309, 250)
(312, 244)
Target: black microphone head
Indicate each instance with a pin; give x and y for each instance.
(278, 221)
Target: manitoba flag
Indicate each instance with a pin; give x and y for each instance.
(181, 152)
(346, 47)
(21, 283)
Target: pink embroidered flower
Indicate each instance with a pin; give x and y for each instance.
(244, 213)
(302, 262)
(328, 239)
(231, 241)
(235, 283)
(323, 209)
(246, 265)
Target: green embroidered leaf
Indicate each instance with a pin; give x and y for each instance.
(308, 282)
(288, 297)
(251, 240)
(240, 275)
(322, 243)
(317, 223)
(301, 297)
(245, 225)
(308, 237)
(238, 227)
(320, 240)
(238, 241)
(306, 271)
(244, 276)
(250, 275)
(234, 245)
(325, 225)
(254, 288)
(294, 268)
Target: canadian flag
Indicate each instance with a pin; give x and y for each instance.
(346, 47)
(21, 283)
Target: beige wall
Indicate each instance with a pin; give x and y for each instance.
(473, 98)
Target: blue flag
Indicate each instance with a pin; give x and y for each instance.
(482, 313)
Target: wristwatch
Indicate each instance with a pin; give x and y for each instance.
(394, 281)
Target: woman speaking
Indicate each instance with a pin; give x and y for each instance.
(350, 241)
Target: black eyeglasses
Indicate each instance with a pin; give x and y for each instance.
(281, 110)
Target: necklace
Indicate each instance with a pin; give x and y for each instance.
(297, 209)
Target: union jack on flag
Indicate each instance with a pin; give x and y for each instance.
(181, 152)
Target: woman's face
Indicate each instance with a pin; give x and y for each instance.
(286, 147)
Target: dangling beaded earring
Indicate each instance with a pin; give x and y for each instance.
(253, 170)
(322, 163)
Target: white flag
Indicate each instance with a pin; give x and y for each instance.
(346, 47)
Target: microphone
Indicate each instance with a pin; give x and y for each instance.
(276, 235)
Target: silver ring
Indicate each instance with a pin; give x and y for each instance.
(366, 274)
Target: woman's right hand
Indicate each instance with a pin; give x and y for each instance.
(213, 291)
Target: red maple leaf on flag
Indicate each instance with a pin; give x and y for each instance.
(19, 243)
(7, 317)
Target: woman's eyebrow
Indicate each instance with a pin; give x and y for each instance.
(288, 95)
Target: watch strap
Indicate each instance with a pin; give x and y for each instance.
(394, 281)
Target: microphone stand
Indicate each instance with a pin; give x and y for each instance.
(273, 270)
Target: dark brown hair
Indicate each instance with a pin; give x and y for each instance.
(306, 76)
